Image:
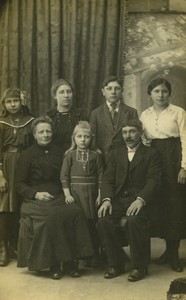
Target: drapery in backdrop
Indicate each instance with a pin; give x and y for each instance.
(42, 40)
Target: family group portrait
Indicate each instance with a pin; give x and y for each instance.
(92, 149)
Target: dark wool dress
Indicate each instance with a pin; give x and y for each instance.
(13, 139)
(50, 231)
(83, 182)
(63, 126)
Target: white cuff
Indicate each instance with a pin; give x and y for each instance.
(142, 200)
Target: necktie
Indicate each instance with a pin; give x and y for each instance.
(114, 113)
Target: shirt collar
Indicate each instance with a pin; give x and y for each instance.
(110, 107)
(133, 149)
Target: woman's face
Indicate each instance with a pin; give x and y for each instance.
(82, 139)
(12, 105)
(64, 96)
(43, 134)
(160, 95)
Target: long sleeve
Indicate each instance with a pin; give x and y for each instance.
(22, 177)
(1, 146)
(153, 177)
(108, 185)
(65, 171)
(99, 166)
(170, 123)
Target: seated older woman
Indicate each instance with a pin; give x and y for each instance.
(51, 231)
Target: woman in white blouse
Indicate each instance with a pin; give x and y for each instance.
(165, 128)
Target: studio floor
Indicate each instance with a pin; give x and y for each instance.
(19, 284)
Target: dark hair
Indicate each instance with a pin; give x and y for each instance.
(157, 81)
(13, 92)
(58, 83)
(111, 79)
(41, 119)
(133, 123)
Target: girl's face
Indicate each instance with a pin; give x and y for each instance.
(12, 105)
(64, 96)
(160, 95)
(82, 139)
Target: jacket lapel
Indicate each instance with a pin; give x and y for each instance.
(138, 156)
(123, 165)
(122, 116)
(107, 119)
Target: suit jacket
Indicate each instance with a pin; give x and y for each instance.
(143, 173)
(106, 137)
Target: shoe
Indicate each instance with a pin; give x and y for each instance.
(3, 254)
(137, 274)
(55, 272)
(71, 268)
(163, 259)
(113, 272)
(56, 275)
(176, 266)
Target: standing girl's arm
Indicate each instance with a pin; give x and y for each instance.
(181, 121)
(65, 178)
(99, 166)
(3, 183)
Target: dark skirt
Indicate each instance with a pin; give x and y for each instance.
(171, 219)
(50, 232)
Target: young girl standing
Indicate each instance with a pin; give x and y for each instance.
(81, 175)
(15, 135)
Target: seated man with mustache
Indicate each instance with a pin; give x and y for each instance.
(129, 187)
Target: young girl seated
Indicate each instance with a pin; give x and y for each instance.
(81, 175)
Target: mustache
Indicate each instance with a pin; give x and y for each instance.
(129, 140)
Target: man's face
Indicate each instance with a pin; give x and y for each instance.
(112, 92)
(131, 135)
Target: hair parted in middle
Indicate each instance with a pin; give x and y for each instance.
(82, 125)
(58, 83)
(158, 81)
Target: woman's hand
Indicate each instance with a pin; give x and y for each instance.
(69, 199)
(182, 176)
(44, 196)
(3, 182)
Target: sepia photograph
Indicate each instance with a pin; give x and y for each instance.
(93, 149)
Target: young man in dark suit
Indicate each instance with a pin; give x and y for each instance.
(107, 119)
(129, 186)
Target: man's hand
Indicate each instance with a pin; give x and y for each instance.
(44, 196)
(135, 207)
(106, 206)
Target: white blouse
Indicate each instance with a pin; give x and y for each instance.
(171, 122)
